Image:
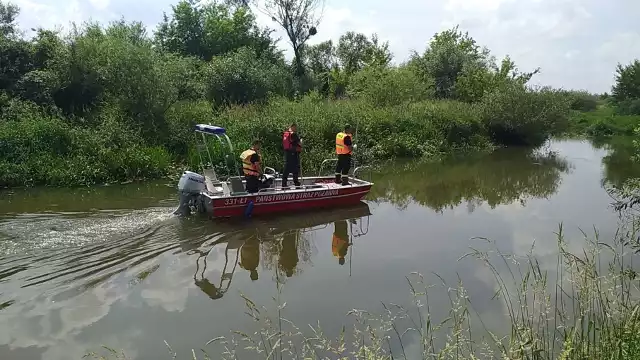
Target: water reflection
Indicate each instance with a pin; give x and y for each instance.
(48, 298)
(102, 266)
(501, 177)
(618, 165)
(340, 241)
(285, 242)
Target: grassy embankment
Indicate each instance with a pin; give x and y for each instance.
(45, 149)
(597, 118)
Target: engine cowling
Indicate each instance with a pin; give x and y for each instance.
(191, 183)
(190, 187)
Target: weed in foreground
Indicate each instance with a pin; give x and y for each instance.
(585, 308)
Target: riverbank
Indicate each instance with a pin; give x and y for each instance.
(44, 149)
(602, 121)
(70, 115)
(108, 103)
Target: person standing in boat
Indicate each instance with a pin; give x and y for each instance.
(252, 168)
(288, 257)
(344, 149)
(250, 257)
(292, 145)
(340, 241)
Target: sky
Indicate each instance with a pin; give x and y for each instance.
(576, 43)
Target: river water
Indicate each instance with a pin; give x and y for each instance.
(111, 266)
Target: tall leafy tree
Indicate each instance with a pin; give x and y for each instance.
(321, 59)
(627, 82)
(8, 14)
(625, 93)
(356, 50)
(213, 29)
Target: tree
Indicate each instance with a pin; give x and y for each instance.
(8, 14)
(356, 50)
(627, 82)
(462, 70)
(241, 78)
(320, 60)
(477, 78)
(214, 29)
(625, 93)
(299, 20)
(447, 56)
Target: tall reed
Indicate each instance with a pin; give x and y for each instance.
(585, 308)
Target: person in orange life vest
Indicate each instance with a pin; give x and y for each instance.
(252, 168)
(344, 148)
(250, 257)
(292, 145)
(340, 242)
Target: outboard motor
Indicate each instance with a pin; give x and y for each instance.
(190, 187)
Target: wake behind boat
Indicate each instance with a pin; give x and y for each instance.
(205, 193)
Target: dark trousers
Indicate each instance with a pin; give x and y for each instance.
(254, 184)
(342, 168)
(291, 166)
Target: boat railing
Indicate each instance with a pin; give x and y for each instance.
(322, 165)
(368, 169)
(363, 229)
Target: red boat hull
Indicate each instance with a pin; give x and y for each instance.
(289, 202)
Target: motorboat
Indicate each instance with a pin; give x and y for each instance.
(207, 194)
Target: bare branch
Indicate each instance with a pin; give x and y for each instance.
(298, 18)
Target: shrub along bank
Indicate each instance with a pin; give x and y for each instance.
(606, 115)
(110, 103)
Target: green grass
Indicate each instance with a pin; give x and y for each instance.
(602, 122)
(585, 308)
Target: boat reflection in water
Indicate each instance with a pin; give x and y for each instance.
(278, 240)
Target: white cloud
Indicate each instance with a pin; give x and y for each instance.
(100, 4)
(536, 33)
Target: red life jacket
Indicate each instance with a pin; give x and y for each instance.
(286, 142)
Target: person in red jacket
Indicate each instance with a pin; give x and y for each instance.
(292, 145)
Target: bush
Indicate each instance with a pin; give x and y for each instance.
(110, 103)
(388, 86)
(516, 115)
(628, 107)
(43, 149)
(241, 78)
(583, 101)
(424, 128)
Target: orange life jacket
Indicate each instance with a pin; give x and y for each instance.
(341, 148)
(338, 246)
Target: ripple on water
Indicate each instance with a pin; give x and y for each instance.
(57, 256)
(24, 233)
